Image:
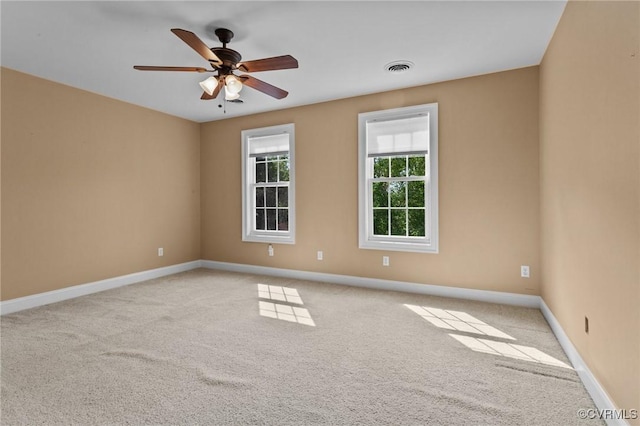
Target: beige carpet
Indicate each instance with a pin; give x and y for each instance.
(211, 347)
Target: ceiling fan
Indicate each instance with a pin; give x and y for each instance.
(224, 62)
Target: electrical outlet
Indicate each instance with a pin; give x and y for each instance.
(385, 260)
(320, 255)
(160, 251)
(270, 250)
(524, 271)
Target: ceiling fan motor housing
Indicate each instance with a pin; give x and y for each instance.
(229, 57)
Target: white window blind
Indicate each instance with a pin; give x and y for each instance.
(403, 136)
(260, 146)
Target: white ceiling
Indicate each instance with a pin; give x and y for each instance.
(341, 47)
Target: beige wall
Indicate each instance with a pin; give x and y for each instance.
(489, 205)
(91, 187)
(0, 184)
(590, 188)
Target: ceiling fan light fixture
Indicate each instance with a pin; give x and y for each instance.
(232, 84)
(209, 85)
(229, 95)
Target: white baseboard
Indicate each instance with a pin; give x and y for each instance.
(407, 287)
(597, 392)
(28, 302)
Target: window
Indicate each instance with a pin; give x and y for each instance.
(398, 179)
(268, 190)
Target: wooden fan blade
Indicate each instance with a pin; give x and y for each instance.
(152, 68)
(260, 85)
(207, 97)
(196, 44)
(268, 64)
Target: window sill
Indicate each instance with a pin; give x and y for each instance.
(399, 246)
(269, 239)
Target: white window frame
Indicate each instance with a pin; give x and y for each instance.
(249, 232)
(367, 240)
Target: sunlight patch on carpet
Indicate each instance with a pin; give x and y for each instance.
(455, 320)
(509, 350)
(286, 313)
(276, 292)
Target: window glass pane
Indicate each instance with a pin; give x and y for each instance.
(381, 221)
(260, 219)
(271, 196)
(261, 174)
(399, 166)
(259, 197)
(416, 166)
(283, 219)
(380, 194)
(261, 159)
(416, 222)
(271, 219)
(380, 167)
(283, 196)
(398, 191)
(283, 165)
(416, 194)
(398, 222)
(272, 171)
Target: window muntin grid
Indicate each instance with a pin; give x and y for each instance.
(271, 193)
(398, 196)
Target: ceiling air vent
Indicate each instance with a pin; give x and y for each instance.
(397, 67)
